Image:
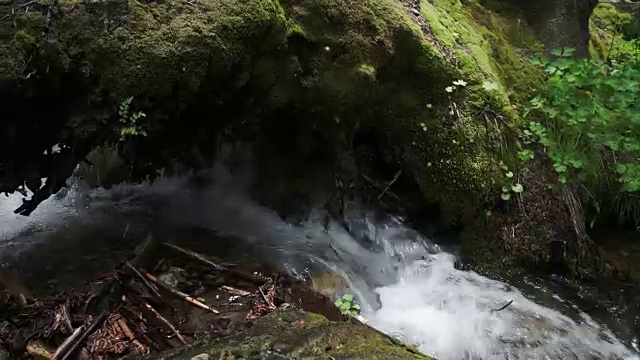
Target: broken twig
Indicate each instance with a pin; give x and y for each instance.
(179, 293)
(127, 331)
(63, 349)
(235, 291)
(504, 307)
(66, 320)
(375, 185)
(84, 335)
(238, 273)
(146, 282)
(166, 322)
(395, 178)
(195, 255)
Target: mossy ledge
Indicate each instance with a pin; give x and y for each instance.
(292, 334)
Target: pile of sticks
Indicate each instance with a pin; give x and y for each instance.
(123, 312)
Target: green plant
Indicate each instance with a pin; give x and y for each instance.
(525, 155)
(589, 119)
(509, 186)
(454, 86)
(130, 121)
(348, 305)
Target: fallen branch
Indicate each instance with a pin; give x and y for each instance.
(166, 322)
(235, 291)
(127, 331)
(179, 293)
(376, 185)
(84, 335)
(217, 267)
(395, 178)
(66, 320)
(269, 302)
(146, 282)
(195, 255)
(64, 349)
(246, 275)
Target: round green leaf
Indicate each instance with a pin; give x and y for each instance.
(517, 188)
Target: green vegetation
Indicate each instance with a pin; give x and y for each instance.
(130, 121)
(348, 305)
(509, 186)
(590, 122)
(301, 335)
(608, 38)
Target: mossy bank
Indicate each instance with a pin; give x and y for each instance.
(329, 95)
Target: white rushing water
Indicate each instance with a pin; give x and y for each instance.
(408, 286)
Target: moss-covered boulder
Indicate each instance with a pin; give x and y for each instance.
(433, 89)
(298, 79)
(292, 334)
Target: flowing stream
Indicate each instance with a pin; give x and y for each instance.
(407, 285)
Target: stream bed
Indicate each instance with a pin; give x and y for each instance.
(406, 283)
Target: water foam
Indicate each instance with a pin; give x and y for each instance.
(408, 287)
(450, 314)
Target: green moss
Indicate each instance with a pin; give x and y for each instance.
(24, 39)
(367, 70)
(171, 43)
(316, 319)
(606, 25)
(283, 332)
(321, 69)
(451, 157)
(489, 47)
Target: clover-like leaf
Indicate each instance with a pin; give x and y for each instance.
(517, 188)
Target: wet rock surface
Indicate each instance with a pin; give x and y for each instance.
(288, 333)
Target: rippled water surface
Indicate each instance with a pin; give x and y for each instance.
(407, 285)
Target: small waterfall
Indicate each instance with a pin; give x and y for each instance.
(408, 286)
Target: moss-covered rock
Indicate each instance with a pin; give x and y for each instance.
(606, 27)
(436, 85)
(296, 78)
(291, 334)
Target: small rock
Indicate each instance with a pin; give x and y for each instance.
(173, 276)
(279, 347)
(415, 12)
(203, 356)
